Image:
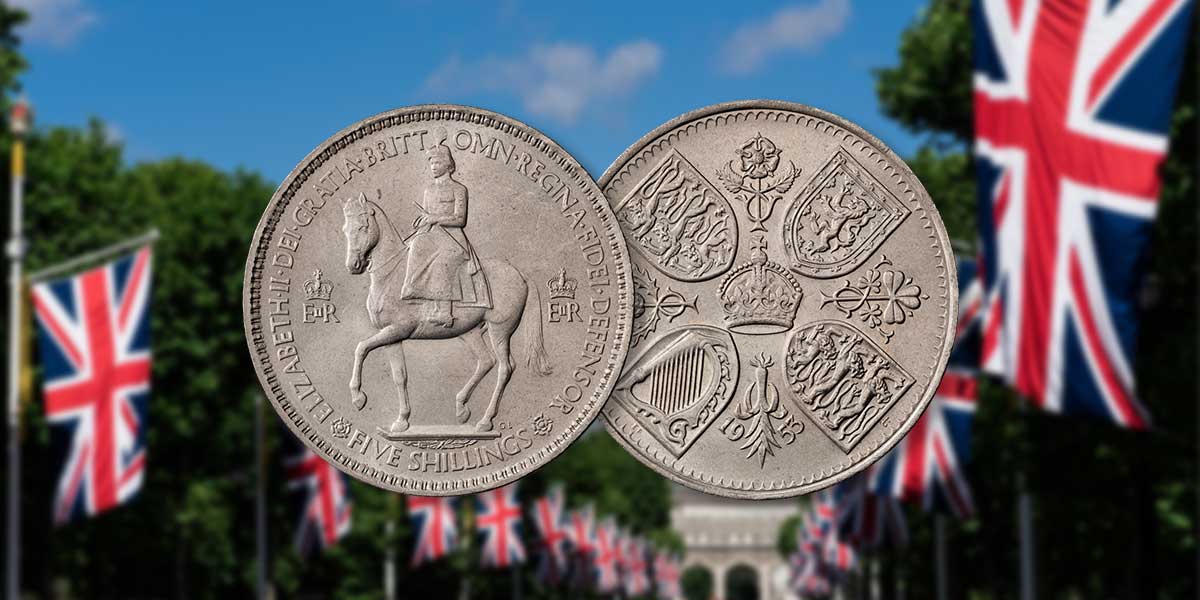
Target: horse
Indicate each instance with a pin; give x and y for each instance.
(375, 247)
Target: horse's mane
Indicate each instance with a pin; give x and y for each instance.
(379, 211)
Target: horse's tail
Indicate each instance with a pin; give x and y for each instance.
(535, 345)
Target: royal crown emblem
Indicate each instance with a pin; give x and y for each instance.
(562, 286)
(760, 296)
(316, 289)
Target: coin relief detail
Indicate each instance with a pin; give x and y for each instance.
(403, 316)
(783, 360)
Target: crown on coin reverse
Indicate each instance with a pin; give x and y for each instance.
(316, 289)
(760, 296)
(562, 286)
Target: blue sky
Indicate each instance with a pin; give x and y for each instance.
(259, 83)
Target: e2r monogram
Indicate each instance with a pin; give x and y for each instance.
(317, 307)
(562, 305)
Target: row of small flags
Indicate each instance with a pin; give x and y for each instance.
(864, 512)
(571, 546)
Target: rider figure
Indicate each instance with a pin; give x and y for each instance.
(442, 265)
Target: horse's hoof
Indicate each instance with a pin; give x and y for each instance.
(483, 426)
(398, 427)
(358, 399)
(462, 412)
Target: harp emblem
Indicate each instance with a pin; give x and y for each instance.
(680, 383)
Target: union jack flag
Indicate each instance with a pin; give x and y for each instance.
(809, 534)
(825, 510)
(608, 556)
(634, 566)
(807, 576)
(582, 529)
(325, 504)
(1072, 103)
(666, 576)
(433, 519)
(581, 532)
(548, 518)
(94, 331)
(499, 522)
(867, 519)
(839, 557)
(926, 466)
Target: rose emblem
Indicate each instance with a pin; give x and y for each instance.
(760, 157)
(751, 177)
(340, 428)
(541, 425)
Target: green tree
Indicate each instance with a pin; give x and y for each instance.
(1115, 509)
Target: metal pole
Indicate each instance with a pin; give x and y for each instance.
(1025, 526)
(1025, 523)
(16, 254)
(389, 560)
(260, 503)
(939, 549)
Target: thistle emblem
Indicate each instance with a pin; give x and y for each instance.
(752, 179)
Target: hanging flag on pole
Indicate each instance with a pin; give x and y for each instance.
(867, 519)
(582, 534)
(323, 498)
(666, 576)
(926, 467)
(1073, 102)
(635, 579)
(498, 520)
(94, 341)
(552, 533)
(433, 520)
(607, 553)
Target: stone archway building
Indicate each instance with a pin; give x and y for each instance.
(721, 533)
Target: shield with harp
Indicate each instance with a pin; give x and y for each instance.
(680, 383)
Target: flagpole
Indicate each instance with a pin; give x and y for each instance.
(1025, 528)
(94, 256)
(19, 124)
(389, 558)
(939, 549)
(260, 503)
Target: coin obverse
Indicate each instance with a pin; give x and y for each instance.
(795, 299)
(437, 300)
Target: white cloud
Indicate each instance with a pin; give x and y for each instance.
(559, 81)
(55, 22)
(802, 28)
(113, 133)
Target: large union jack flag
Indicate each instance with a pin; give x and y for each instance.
(94, 331)
(552, 531)
(433, 520)
(926, 466)
(324, 499)
(1072, 104)
(499, 523)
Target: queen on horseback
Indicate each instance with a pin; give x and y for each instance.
(442, 265)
